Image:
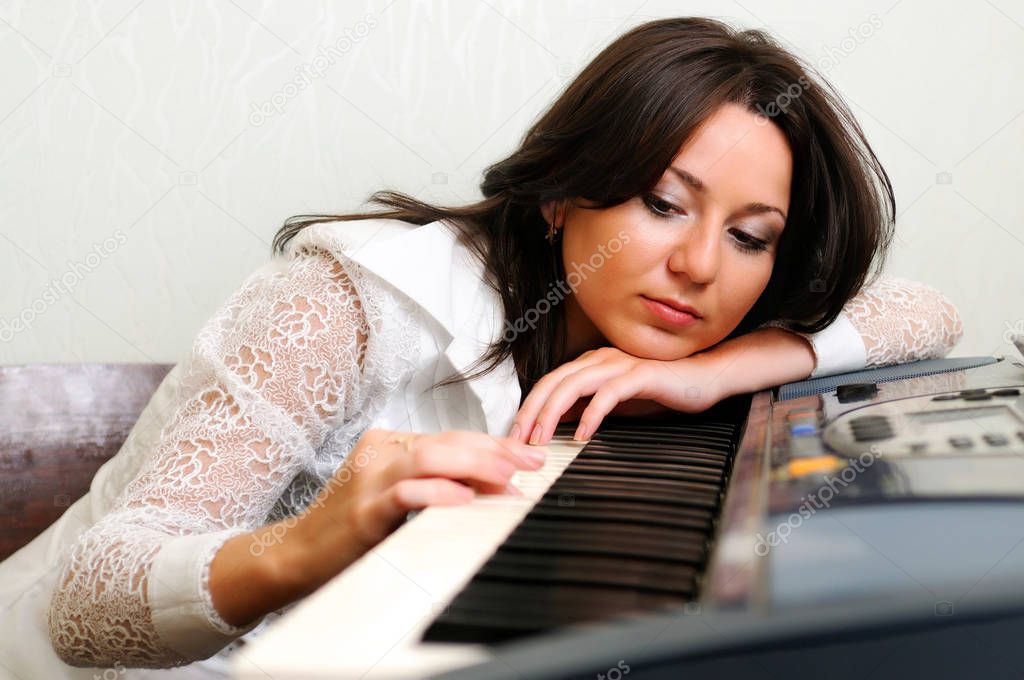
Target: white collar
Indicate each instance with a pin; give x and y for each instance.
(444, 278)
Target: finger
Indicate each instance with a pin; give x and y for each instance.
(569, 391)
(522, 427)
(469, 456)
(617, 390)
(486, 488)
(523, 456)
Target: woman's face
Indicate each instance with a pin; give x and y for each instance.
(705, 236)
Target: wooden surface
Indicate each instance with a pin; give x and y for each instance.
(58, 424)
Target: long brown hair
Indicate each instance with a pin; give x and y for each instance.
(611, 135)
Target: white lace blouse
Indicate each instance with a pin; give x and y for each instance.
(345, 332)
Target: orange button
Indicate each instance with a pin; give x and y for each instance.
(816, 464)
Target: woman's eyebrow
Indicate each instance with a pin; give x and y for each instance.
(699, 186)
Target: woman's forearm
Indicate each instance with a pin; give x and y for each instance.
(246, 584)
(258, 572)
(759, 360)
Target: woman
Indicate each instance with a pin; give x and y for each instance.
(696, 216)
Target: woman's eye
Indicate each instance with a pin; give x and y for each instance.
(662, 208)
(658, 205)
(748, 242)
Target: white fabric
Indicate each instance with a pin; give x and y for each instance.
(838, 349)
(889, 321)
(344, 333)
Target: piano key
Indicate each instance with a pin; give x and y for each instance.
(619, 572)
(574, 475)
(567, 526)
(598, 488)
(595, 545)
(607, 452)
(626, 526)
(584, 510)
(654, 470)
(498, 601)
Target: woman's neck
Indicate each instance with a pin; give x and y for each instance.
(581, 333)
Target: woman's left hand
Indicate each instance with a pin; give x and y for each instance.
(620, 384)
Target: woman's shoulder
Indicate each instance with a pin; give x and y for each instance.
(351, 238)
(427, 264)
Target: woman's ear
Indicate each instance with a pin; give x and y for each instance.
(547, 209)
(554, 212)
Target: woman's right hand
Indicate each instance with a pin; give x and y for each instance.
(386, 475)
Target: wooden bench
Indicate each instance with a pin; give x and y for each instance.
(58, 424)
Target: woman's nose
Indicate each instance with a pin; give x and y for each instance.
(698, 253)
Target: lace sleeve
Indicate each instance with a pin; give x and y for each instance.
(268, 375)
(889, 321)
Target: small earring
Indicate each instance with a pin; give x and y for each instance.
(550, 236)
(552, 229)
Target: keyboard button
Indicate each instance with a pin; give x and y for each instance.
(854, 392)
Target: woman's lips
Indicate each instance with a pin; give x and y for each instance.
(669, 314)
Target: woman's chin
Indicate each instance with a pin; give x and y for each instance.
(653, 343)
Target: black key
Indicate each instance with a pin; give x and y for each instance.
(681, 472)
(583, 476)
(596, 545)
(584, 509)
(633, 574)
(625, 529)
(636, 492)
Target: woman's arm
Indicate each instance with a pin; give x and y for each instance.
(267, 379)
(889, 321)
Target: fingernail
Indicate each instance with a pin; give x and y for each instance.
(513, 490)
(514, 432)
(536, 456)
(581, 433)
(537, 432)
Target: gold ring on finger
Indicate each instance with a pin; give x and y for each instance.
(405, 440)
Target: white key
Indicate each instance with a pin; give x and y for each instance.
(367, 621)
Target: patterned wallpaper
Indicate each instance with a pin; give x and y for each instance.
(149, 150)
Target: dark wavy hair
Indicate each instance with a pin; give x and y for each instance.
(611, 135)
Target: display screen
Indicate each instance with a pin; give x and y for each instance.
(958, 414)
